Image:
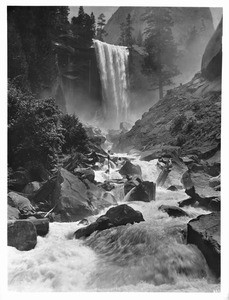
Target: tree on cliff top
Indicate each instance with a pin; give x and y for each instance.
(161, 48)
(126, 38)
(101, 32)
(83, 28)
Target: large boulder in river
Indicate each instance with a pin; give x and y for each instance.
(115, 216)
(73, 199)
(173, 211)
(41, 225)
(211, 66)
(130, 169)
(123, 214)
(22, 235)
(204, 232)
(145, 191)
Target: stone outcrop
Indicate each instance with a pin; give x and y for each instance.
(72, 198)
(115, 216)
(130, 169)
(173, 211)
(189, 117)
(145, 191)
(41, 225)
(204, 232)
(211, 66)
(22, 234)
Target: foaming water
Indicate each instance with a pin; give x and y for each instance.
(151, 256)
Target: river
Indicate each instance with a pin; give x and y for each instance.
(146, 257)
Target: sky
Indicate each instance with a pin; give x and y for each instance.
(109, 10)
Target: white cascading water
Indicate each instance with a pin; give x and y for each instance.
(113, 64)
(145, 257)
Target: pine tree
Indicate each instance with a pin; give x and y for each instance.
(100, 27)
(129, 29)
(126, 29)
(160, 47)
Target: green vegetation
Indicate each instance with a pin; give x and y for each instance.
(74, 134)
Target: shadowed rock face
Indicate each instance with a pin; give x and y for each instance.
(204, 232)
(211, 67)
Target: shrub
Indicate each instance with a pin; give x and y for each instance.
(177, 124)
(34, 133)
(188, 127)
(181, 140)
(74, 134)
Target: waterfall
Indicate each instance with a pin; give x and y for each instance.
(112, 63)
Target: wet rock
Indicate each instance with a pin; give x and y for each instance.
(130, 169)
(145, 191)
(186, 202)
(32, 187)
(41, 225)
(20, 202)
(22, 234)
(115, 216)
(173, 211)
(172, 188)
(212, 169)
(200, 182)
(107, 186)
(204, 232)
(72, 198)
(123, 214)
(215, 181)
(83, 222)
(12, 213)
(162, 151)
(129, 185)
(85, 173)
(100, 224)
(209, 203)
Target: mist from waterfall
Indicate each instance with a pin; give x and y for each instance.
(112, 62)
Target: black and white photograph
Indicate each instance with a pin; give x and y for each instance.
(114, 118)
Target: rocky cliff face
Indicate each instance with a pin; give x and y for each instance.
(185, 20)
(211, 66)
(188, 117)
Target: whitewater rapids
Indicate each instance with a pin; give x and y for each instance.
(149, 256)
